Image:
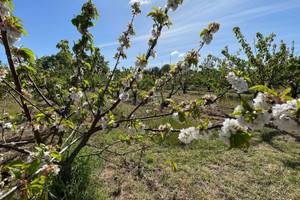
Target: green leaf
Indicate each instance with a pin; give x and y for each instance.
(30, 69)
(70, 124)
(33, 167)
(181, 117)
(241, 138)
(248, 80)
(246, 105)
(16, 173)
(37, 186)
(174, 167)
(199, 101)
(288, 98)
(88, 65)
(167, 162)
(12, 164)
(203, 32)
(27, 54)
(285, 92)
(297, 112)
(239, 112)
(55, 154)
(262, 88)
(170, 100)
(10, 4)
(196, 112)
(151, 13)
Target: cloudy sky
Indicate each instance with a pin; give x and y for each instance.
(47, 22)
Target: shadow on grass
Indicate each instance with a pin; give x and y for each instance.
(268, 137)
(294, 164)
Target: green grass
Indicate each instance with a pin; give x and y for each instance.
(269, 169)
(207, 170)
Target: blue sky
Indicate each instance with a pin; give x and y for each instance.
(47, 22)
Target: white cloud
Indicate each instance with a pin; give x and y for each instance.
(174, 53)
(181, 55)
(143, 2)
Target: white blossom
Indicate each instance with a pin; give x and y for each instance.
(140, 128)
(175, 115)
(13, 34)
(140, 64)
(285, 118)
(203, 134)
(47, 156)
(124, 96)
(230, 127)
(184, 67)
(36, 128)
(154, 33)
(4, 10)
(172, 5)
(3, 73)
(260, 101)
(238, 83)
(50, 169)
(130, 28)
(208, 99)
(207, 38)
(136, 8)
(75, 96)
(188, 134)
(150, 42)
(153, 53)
(137, 76)
(104, 124)
(59, 127)
(1, 158)
(258, 120)
(167, 126)
(31, 157)
(7, 126)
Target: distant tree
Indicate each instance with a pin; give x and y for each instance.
(266, 64)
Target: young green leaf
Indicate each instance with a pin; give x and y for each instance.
(262, 88)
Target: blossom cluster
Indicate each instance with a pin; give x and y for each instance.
(194, 133)
(229, 128)
(285, 116)
(75, 95)
(184, 66)
(7, 125)
(254, 119)
(136, 8)
(141, 63)
(207, 34)
(209, 99)
(60, 128)
(13, 33)
(124, 39)
(260, 100)
(238, 83)
(4, 10)
(124, 96)
(173, 4)
(166, 127)
(137, 128)
(155, 33)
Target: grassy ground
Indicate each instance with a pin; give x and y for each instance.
(269, 169)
